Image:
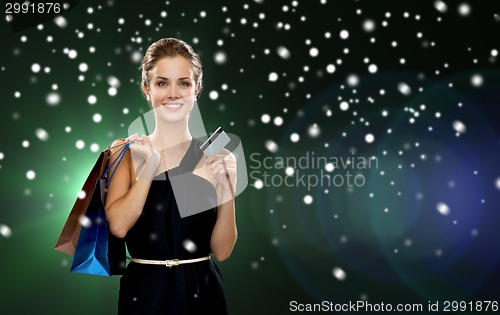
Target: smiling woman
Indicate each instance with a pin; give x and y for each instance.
(171, 271)
(173, 88)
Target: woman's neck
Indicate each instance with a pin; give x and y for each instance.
(167, 135)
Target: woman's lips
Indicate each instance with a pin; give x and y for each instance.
(173, 106)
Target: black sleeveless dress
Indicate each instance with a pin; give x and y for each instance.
(160, 234)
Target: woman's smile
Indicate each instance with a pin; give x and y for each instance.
(173, 106)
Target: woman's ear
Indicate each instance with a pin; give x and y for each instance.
(146, 92)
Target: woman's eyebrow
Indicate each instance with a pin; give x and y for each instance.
(164, 78)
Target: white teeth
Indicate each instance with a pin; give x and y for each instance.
(173, 105)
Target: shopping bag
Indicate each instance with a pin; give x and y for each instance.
(98, 252)
(86, 234)
(94, 254)
(71, 230)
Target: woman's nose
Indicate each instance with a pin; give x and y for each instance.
(173, 91)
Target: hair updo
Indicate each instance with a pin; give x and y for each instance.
(170, 47)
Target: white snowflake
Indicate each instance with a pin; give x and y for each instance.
(443, 208)
(339, 273)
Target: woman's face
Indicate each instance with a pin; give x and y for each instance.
(172, 88)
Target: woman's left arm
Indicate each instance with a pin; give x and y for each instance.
(224, 234)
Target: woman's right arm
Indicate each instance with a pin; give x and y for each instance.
(127, 193)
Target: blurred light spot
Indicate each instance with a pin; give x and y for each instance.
(313, 52)
(314, 131)
(369, 26)
(308, 199)
(53, 98)
(372, 68)
(344, 34)
(404, 88)
(464, 9)
(271, 146)
(136, 56)
(440, 6)
(80, 144)
(344, 106)
(369, 138)
(330, 68)
(283, 52)
(258, 184)
(339, 274)
(5, 231)
(94, 147)
(459, 126)
(213, 95)
(265, 118)
(294, 137)
(42, 134)
(278, 121)
(30, 175)
(113, 81)
(85, 222)
(353, 80)
(35, 68)
(443, 208)
(329, 167)
(189, 245)
(477, 80)
(82, 194)
(112, 91)
(61, 22)
(97, 118)
(220, 57)
(72, 54)
(83, 67)
(92, 99)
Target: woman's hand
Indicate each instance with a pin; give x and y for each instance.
(144, 155)
(223, 167)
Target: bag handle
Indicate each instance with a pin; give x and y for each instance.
(118, 159)
(116, 146)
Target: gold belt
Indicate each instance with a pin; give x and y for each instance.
(168, 262)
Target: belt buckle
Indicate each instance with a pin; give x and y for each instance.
(172, 262)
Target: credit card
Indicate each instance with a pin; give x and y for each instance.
(216, 142)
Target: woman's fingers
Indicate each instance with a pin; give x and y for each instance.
(221, 165)
(135, 138)
(216, 170)
(141, 146)
(209, 160)
(132, 138)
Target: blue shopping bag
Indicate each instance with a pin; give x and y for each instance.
(98, 252)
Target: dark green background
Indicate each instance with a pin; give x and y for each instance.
(286, 249)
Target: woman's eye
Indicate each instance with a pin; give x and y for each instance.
(162, 83)
(184, 84)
